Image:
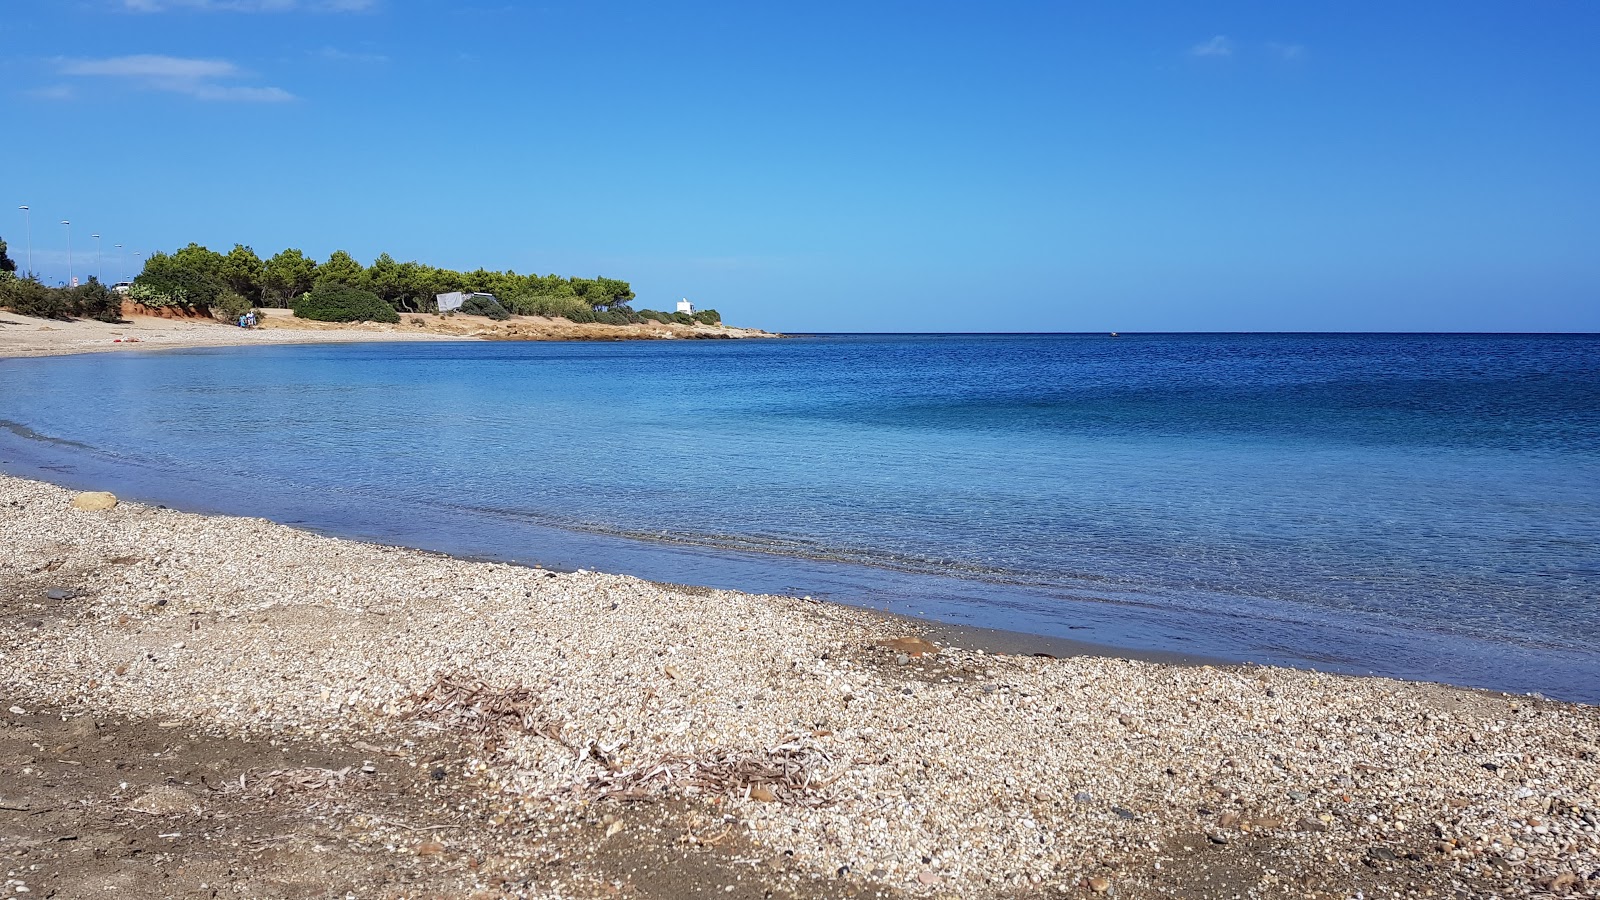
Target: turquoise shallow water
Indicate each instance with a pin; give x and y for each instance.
(1419, 506)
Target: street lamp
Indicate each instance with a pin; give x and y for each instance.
(99, 273)
(122, 270)
(27, 218)
(71, 276)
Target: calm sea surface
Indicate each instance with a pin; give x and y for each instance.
(1417, 506)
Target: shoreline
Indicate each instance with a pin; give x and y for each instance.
(961, 772)
(26, 337)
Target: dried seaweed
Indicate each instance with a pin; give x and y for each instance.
(292, 780)
(788, 773)
(488, 715)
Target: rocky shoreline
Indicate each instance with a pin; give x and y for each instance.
(772, 745)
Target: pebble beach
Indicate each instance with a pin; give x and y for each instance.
(841, 752)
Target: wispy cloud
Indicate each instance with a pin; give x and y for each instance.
(203, 79)
(334, 54)
(1285, 51)
(1217, 46)
(54, 92)
(248, 6)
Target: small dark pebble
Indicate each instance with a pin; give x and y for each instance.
(58, 593)
(1083, 796)
(1219, 838)
(1124, 813)
(1382, 854)
(843, 871)
(437, 774)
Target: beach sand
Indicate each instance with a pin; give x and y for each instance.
(26, 336)
(216, 706)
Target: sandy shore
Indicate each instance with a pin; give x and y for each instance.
(25, 336)
(398, 723)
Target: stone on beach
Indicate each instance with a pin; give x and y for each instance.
(95, 501)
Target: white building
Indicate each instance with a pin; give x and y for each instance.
(685, 307)
(454, 299)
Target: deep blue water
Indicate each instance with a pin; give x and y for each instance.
(1412, 505)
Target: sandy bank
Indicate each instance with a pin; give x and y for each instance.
(770, 743)
(25, 336)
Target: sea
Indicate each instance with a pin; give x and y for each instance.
(1415, 506)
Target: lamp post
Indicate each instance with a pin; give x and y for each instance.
(122, 270)
(99, 271)
(71, 276)
(27, 219)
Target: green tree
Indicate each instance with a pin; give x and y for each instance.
(186, 278)
(242, 271)
(8, 269)
(286, 276)
(342, 268)
(203, 262)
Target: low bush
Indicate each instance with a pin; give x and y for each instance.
(552, 305)
(31, 297)
(334, 302)
(229, 306)
(708, 317)
(96, 301)
(483, 306)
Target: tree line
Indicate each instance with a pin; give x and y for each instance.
(198, 276)
(342, 289)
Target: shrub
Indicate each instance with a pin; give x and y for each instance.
(553, 305)
(31, 297)
(483, 306)
(96, 301)
(229, 306)
(708, 317)
(333, 302)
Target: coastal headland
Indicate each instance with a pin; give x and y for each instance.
(30, 336)
(204, 705)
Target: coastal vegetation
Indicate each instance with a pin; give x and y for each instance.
(333, 302)
(28, 296)
(338, 289)
(196, 275)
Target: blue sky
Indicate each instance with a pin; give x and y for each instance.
(848, 166)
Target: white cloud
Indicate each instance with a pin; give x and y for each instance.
(334, 54)
(203, 79)
(248, 6)
(1286, 51)
(1217, 46)
(57, 92)
(153, 67)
